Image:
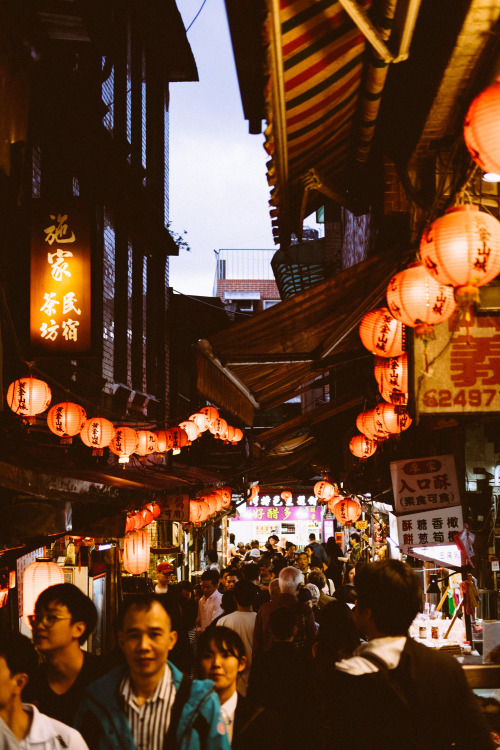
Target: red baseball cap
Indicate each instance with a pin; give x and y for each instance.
(164, 567)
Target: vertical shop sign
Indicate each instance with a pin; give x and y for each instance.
(60, 280)
(422, 483)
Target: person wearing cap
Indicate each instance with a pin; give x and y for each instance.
(254, 555)
(164, 571)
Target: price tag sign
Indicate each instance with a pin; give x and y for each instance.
(495, 563)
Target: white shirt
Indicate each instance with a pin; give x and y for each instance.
(227, 711)
(389, 649)
(209, 608)
(45, 733)
(244, 624)
(150, 721)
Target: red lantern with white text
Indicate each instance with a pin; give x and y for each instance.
(136, 551)
(347, 511)
(124, 443)
(36, 578)
(462, 248)
(66, 420)
(418, 300)
(97, 433)
(481, 128)
(362, 447)
(28, 397)
(382, 334)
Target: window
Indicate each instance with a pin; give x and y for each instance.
(270, 303)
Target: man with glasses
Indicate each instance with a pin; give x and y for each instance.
(63, 620)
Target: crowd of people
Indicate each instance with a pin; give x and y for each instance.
(281, 648)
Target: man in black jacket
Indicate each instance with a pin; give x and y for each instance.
(410, 696)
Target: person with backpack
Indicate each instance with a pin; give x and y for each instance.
(148, 703)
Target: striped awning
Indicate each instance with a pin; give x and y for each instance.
(316, 58)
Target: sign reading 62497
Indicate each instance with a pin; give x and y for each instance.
(459, 370)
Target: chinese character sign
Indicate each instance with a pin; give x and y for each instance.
(422, 483)
(466, 374)
(265, 500)
(283, 513)
(429, 529)
(60, 283)
(175, 508)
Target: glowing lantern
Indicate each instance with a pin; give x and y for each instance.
(136, 550)
(218, 501)
(130, 523)
(194, 511)
(418, 300)
(391, 419)
(347, 510)
(176, 439)
(146, 443)
(97, 433)
(286, 495)
(362, 447)
(155, 509)
(28, 397)
(254, 492)
(462, 248)
(333, 502)
(324, 490)
(200, 420)
(218, 427)
(391, 374)
(229, 434)
(367, 423)
(226, 495)
(238, 435)
(381, 333)
(211, 502)
(66, 420)
(205, 511)
(124, 443)
(138, 521)
(147, 516)
(211, 413)
(191, 429)
(36, 578)
(481, 129)
(161, 441)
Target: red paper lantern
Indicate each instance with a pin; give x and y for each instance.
(194, 511)
(238, 435)
(382, 334)
(66, 420)
(136, 551)
(226, 494)
(130, 523)
(124, 443)
(462, 248)
(392, 419)
(28, 397)
(200, 420)
(324, 490)
(97, 433)
(347, 511)
(211, 413)
(211, 501)
(481, 128)
(286, 495)
(147, 516)
(218, 427)
(161, 441)
(155, 509)
(229, 434)
(418, 300)
(36, 578)
(191, 429)
(371, 427)
(391, 374)
(362, 447)
(333, 502)
(176, 439)
(146, 442)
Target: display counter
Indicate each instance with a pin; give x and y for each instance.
(479, 675)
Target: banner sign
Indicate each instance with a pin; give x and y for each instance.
(459, 371)
(276, 501)
(60, 280)
(447, 554)
(174, 508)
(283, 513)
(421, 483)
(431, 528)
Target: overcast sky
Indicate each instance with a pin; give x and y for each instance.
(218, 187)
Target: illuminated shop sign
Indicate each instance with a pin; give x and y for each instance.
(422, 483)
(60, 282)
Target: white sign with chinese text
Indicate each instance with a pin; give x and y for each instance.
(429, 529)
(459, 370)
(421, 483)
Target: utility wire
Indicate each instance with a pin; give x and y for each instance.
(196, 16)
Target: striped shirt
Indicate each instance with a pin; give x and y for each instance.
(149, 723)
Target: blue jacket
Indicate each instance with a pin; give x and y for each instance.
(105, 726)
